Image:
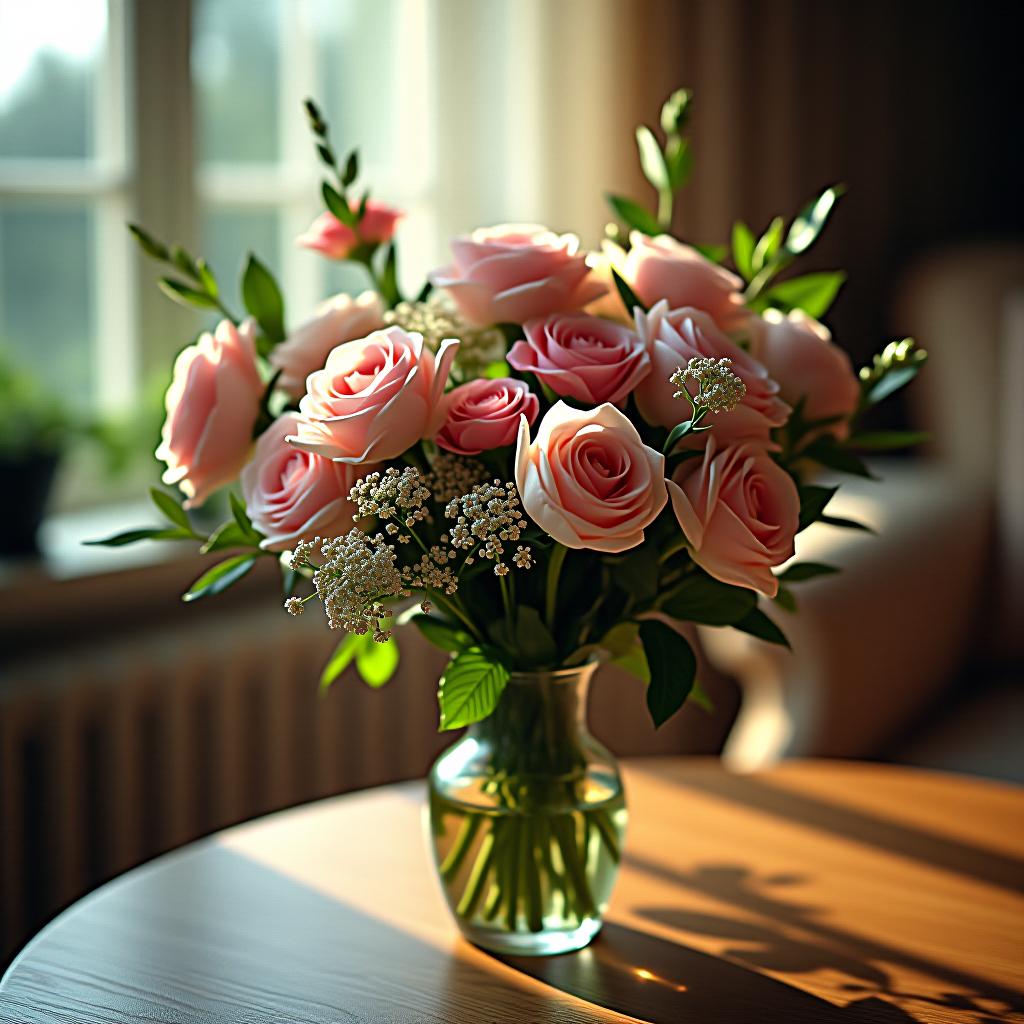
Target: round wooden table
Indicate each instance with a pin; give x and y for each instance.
(816, 892)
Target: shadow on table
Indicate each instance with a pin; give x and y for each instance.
(792, 938)
(662, 982)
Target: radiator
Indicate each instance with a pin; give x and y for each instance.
(112, 754)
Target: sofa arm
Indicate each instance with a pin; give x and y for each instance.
(872, 644)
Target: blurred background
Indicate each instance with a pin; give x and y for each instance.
(129, 723)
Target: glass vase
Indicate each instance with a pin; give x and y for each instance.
(527, 819)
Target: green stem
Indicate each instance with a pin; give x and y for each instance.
(460, 847)
(481, 868)
(551, 590)
(506, 600)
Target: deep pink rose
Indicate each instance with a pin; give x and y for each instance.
(582, 357)
(676, 336)
(374, 398)
(336, 240)
(292, 495)
(485, 414)
(513, 272)
(662, 268)
(212, 406)
(337, 320)
(588, 480)
(798, 352)
(739, 511)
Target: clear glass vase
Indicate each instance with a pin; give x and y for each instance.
(527, 819)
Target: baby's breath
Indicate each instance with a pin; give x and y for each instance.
(487, 518)
(718, 388)
(437, 319)
(393, 494)
(452, 476)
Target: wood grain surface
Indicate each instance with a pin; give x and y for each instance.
(817, 892)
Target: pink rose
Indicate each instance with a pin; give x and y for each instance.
(336, 240)
(292, 495)
(582, 357)
(739, 511)
(485, 414)
(588, 480)
(662, 268)
(510, 273)
(799, 354)
(374, 398)
(676, 336)
(337, 320)
(212, 406)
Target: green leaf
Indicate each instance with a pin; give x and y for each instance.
(675, 111)
(289, 580)
(652, 161)
(886, 440)
(845, 524)
(376, 663)
(148, 244)
(813, 293)
(801, 571)
(220, 577)
(185, 295)
(344, 654)
(628, 296)
(263, 300)
(743, 249)
(676, 434)
(673, 668)
(636, 572)
(338, 205)
(119, 540)
(441, 634)
(767, 245)
(227, 535)
(700, 697)
(633, 215)
(813, 500)
(825, 451)
(699, 598)
(351, 171)
(470, 688)
(634, 661)
(325, 153)
(209, 282)
(808, 224)
(244, 523)
(389, 278)
(678, 161)
(756, 623)
(784, 598)
(171, 510)
(891, 383)
(183, 261)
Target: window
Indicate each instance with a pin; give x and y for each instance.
(64, 174)
(185, 116)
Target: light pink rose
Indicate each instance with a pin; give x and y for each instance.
(588, 480)
(292, 495)
(663, 268)
(582, 357)
(739, 511)
(513, 272)
(337, 320)
(336, 240)
(798, 352)
(485, 414)
(374, 398)
(212, 406)
(676, 336)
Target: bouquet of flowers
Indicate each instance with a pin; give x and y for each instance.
(543, 460)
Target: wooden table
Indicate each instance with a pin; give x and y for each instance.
(816, 892)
